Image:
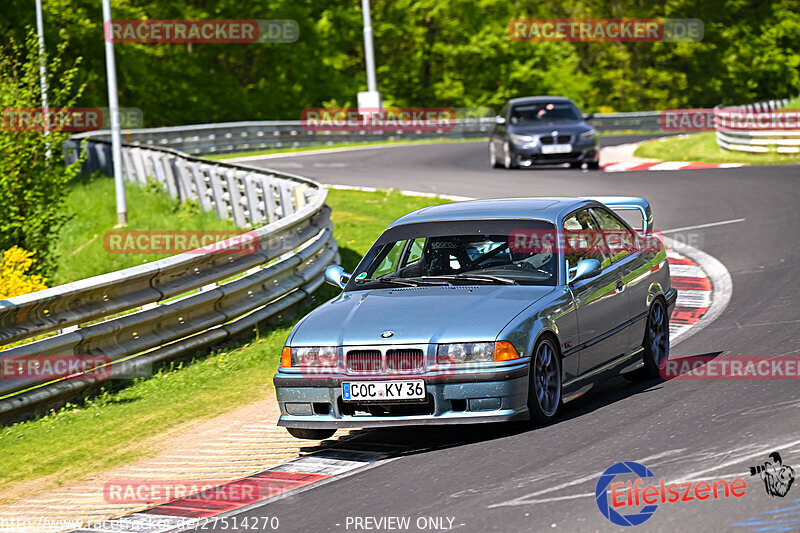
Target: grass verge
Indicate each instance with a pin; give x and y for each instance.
(90, 201)
(126, 422)
(702, 147)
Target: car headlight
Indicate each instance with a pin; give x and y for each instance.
(588, 135)
(520, 139)
(309, 356)
(475, 352)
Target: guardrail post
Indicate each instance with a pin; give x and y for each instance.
(235, 196)
(270, 208)
(138, 163)
(254, 216)
(214, 175)
(286, 198)
(201, 185)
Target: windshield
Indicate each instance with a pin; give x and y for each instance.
(455, 252)
(543, 113)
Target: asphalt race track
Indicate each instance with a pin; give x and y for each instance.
(497, 478)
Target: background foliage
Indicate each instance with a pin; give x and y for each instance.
(33, 185)
(429, 53)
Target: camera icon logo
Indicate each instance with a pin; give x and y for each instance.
(778, 477)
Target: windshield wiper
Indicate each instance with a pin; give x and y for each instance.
(474, 277)
(393, 281)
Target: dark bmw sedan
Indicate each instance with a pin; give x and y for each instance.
(542, 130)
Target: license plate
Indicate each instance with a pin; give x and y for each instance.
(556, 148)
(357, 391)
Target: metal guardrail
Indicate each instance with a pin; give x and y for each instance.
(636, 121)
(744, 139)
(181, 304)
(232, 137)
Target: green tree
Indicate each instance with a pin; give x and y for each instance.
(32, 185)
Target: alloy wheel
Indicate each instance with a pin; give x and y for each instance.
(547, 379)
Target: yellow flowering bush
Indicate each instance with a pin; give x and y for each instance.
(14, 277)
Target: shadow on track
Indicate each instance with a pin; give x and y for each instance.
(411, 440)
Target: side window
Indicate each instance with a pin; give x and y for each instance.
(391, 261)
(619, 239)
(581, 240)
(415, 252)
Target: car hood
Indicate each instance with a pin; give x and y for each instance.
(416, 315)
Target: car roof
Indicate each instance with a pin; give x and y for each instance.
(549, 209)
(536, 99)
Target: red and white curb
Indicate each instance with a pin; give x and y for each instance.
(694, 293)
(625, 166)
(704, 289)
(197, 512)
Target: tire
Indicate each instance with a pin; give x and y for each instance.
(508, 158)
(593, 165)
(655, 343)
(310, 434)
(576, 164)
(493, 157)
(544, 383)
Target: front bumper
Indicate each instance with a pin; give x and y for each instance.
(455, 398)
(584, 152)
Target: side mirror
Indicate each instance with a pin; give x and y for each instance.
(587, 268)
(336, 276)
(588, 116)
(499, 120)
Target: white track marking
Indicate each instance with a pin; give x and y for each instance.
(759, 452)
(709, 225)
(525, 500)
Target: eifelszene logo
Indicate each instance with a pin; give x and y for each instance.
(778, 477)
(633, 494)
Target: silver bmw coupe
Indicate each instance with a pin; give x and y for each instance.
(481, 311)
